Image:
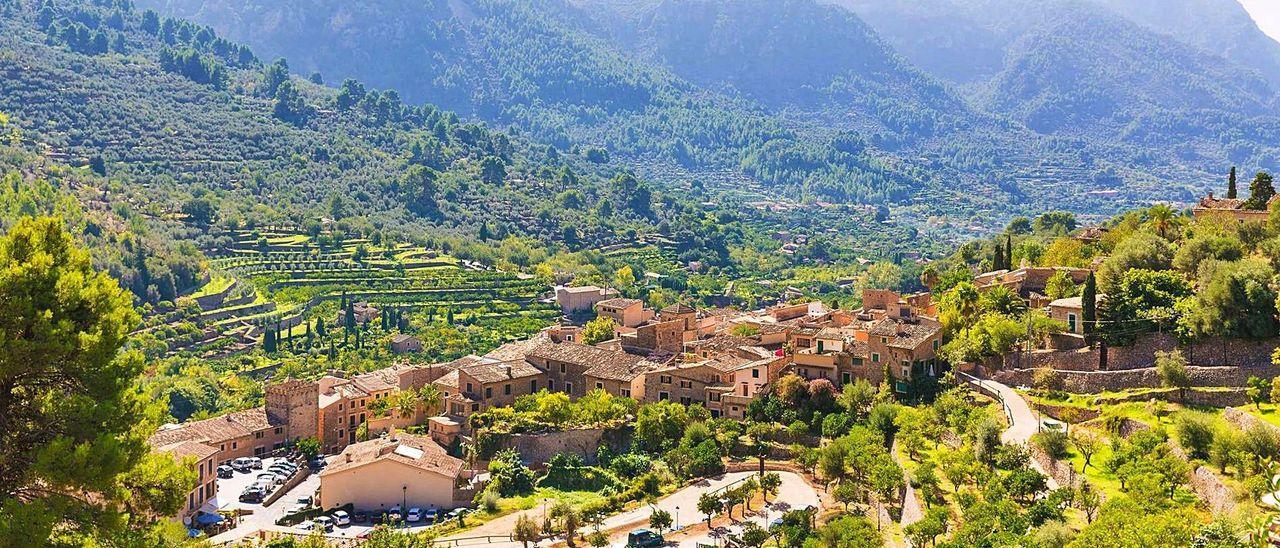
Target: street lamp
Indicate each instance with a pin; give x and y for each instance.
(404, 501)
(677, 525)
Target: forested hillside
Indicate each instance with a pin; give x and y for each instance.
(180, 117)
(527, 64)
(803, 97)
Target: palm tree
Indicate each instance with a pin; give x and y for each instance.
(1161, 218)
(431, 398)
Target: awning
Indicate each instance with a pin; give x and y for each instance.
(208, 519)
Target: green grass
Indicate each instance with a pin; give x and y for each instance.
(217, 284)
(1269, 412)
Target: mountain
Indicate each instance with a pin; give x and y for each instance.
(177, 114)
(1221, 27)
(1141, 87)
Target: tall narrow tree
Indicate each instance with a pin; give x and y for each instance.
(1231, 183)
(1089, 306)
(1008, 251)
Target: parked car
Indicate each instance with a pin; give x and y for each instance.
(305, 501)
(396, 512)
(242, 464)
(272, 477)
(644, 538)
(325, 521)
(414, 515)
(378, 518)
(255, 463)
(431, 515)
(341, 518)
(456, 513)
(307, 525)
(225, 471)
(318, 463)
(253, 494)
(361, 516)
(266, 486)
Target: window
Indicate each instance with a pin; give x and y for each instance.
(857, 361)
(685, 384)
(475, 407)
(664, 379)
(259, 450)
(819, 346)
(626, 392)
(234, 444)
(715, 379)
(222, 447)
(875, 358)
(340, 407)
(714, 396)
(935, 345)
(340, 431)
(568, 388)
(755, 373)
(599, 385)
(469, 389)
(663, 396)
(551, 385)
(488, 392)
(884, 340)
(533, 385)
(563, 369)
(506, 389)
(257, 435)
(362, 417)
(845, 378)
(1071, 322)
(361, 403)
(278, 430)
(684, 400)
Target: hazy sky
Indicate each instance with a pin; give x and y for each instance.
(1267, 15)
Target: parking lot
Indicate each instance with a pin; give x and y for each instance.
(258, 516)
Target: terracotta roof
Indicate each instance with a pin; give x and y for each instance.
(216, 430)
(449, 380)
(377, 381)
(495, 371)
(678, 309)
(599, 362)
(519, 349)
(401, 337)
(188, 448)
(619, 303)
(722, 343)
(416, 451)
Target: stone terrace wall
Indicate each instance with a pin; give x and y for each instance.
(1093, 382)
(1141, 355)
(539, 448)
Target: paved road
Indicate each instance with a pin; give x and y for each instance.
(1023, 421)
(794, 493)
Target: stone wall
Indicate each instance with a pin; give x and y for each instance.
(1060, 470)
(539, 448)
(1210, 398)
(1245, 420)
(1093, 382)
(1056, 411)
(1141, 354)
(1209, 487)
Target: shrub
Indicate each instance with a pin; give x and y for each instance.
(1195, 433)
(1052, 442)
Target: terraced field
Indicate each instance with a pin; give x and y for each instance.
(283, 281)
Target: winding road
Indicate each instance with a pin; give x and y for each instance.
(1023, 421)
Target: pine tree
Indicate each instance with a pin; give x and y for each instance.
(1261, 190)
(1089, 305)
(1231, 183)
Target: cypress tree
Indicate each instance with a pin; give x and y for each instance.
(268, 341)
(1089, 305)
(1231, 183)
(1008, 251)
(350, 319)
(320, 327)
(997, 258)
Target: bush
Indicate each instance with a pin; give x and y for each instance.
(1195, 433)
(631, 465)
(1052, 442)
